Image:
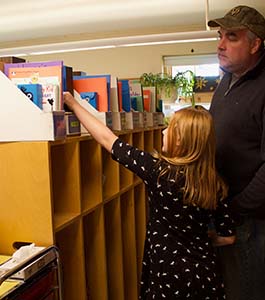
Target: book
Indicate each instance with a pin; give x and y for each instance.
(153, 104)
(136, 94)
(68, 79)
(48, 74)
(126, 100)
(120, 94)
(114, 95)
(99, 115)
(108, 78)
(147, 97)
(33, 92)
(96, 84)
(51, 97)
(91, 97)
(137, 103)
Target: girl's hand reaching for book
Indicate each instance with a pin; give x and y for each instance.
(69, 100)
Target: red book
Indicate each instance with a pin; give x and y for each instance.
(147, 100)
(120, 95)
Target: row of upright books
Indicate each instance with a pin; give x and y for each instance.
(120, 103)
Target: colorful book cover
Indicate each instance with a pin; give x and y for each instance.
(98, 85)
(91, 97)
(33, 92)
(107, 76)
(48, 74)
(136, 94)
(135, 89)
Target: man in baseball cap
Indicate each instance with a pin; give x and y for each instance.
(238, 110)
(241, 17)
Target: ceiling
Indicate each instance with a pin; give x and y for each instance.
(31, 22)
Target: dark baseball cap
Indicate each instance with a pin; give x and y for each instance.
(241, 17)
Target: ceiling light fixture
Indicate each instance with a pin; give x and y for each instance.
(129, 41)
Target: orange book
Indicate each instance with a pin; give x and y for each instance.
(96, 84)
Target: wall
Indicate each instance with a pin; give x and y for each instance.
(127, 62)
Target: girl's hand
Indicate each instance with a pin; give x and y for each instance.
(69, 100)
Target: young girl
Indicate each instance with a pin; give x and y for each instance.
(185, 195)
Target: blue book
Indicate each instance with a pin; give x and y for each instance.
(126, 100)
(137, 103)
(107, 76)
(68, 79)
(91, 97)
(33, 91)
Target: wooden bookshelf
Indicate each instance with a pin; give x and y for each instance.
(72, 194)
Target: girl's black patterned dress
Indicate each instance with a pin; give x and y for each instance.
(179, 261)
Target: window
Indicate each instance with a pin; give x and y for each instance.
(203, 70)
(207, 73)
(201, 65)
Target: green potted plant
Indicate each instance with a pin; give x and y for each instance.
(170, 88)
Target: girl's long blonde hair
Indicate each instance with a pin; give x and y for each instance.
(191, 149)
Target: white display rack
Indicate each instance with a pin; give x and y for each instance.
(20, 118)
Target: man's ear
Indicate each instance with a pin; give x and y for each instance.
(256, 44)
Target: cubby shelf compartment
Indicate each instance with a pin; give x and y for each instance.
(71, 250)
(91, 174)
(65, 182)
(95, 254)
(148, 141)
(157, 139)
(26, 213)
(113, 237)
